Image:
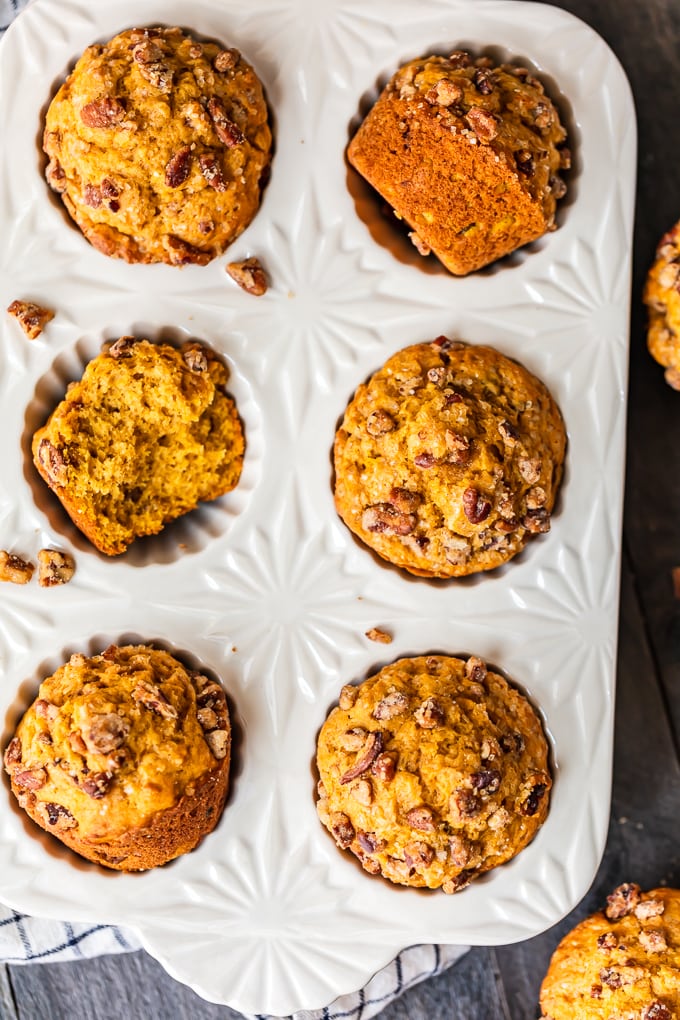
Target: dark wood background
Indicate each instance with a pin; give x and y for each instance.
(502, 983)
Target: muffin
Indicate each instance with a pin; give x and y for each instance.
(159, 146)
(624, 961)
(124, 757)
(433, 771)
(468, 154)
(146, 434)
(449, 459)
(662, 297)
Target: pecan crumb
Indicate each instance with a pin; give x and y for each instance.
(106, 112)
(226, 60)
(14, 569)
(372, 749)
(348, 695)
(54, 567)
(31, 317)
(381, 636)
(212, 171)
(122, 348)
(218, 742)
(226, 130)
(622, 901)
(476, 508)
(249, 275)
(483, 123)
(195, 358)
(178, 167)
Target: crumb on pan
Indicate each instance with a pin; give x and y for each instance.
(14, 569)
(381, 636)
(31, 317)
(54, 567)
(249, 275)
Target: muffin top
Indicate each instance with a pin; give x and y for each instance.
(623, 961)
(158, 145)
(448, 459)
(114, 739)
(433, 771)
(662, 297)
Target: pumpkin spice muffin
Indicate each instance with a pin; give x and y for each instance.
(141, 439)
(662, 297)
(468, 154)
(124, 757)
(159, 146)
(433, 771)
(449, 459)
(623, 961)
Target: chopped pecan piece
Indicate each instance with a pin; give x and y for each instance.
(511, 742)
(58, 815)
(348, 695)
(342, 829)
(182, 253)
(425, 460)
(653, 941)
(464, 804)
(475, 669)
(444, 93)
(606, 941)
(421, 246)
(404, 499)
(557, 186)
(531, 805)
(536, 498)
(611, 977)
(490, 749)
(649, 908)
(483, 81)
(45, 710)
(54, 567)
(459, 448)
(152, 697)
(429, 714)
(122, 348)
(525, 163)
(249, 275)
(379, 422)
(218, 742)
(150, 61)
(461, 881)
(460, 58)
(212, 171)
(499, 819)
(596, 991)
(483, 123)
(476, 507)
(106, 732)
(30, 779)
(537, 521)
(486, 780)
(391, 705)
(97, 784)
(530, 469)
(369, 842)
(195, 358)
(53, 461)
(508, 432)
(657, 1011)
(384, 767)
(381, 636)
(92, 196)
(76, 743)
(12, 754)
(106, 112)
(31, 317)
(385, 518)
(226, 60)
(14, 569)
(372, 748)
(456, 549)
(354, 739)
(418, 854)
(178, 167)
(460, 851)
(226, 130)
(207, 719)
(56, 178)
(421, 818)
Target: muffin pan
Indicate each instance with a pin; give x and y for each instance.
(267, 588)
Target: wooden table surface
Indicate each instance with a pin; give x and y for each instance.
(502, 983)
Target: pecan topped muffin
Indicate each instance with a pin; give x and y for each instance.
(141, 439)
(159, 146)
(124, 757)
(623, 961)
(449, 459)
(433, 771)
(468, 154)
(662, 297)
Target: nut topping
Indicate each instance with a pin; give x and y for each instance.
(657, 1011)
(106, 112)
(226, 60)
(483, 81)
(483, 123)
(12, 753)
(342, 829)
(476, 508)
(152, 697)
(212, 171)
(459, 448)
(14, 569)
(385, 518)
(354, 739)
(606, 941)
(207, 719)
(429, 714)
(362, 792)
(178, 167)
(122, 348)
(97, 784)
(530, 469)
(537, 521)
(420, 818)
(195, 358)
(444, 93)
(379, 422)
(30, 779)
(649, 908)
(106, 733)
(475, 670)
(384, 767)
(525, 163)
(392, 705)
(54, 567)
(653, 941)
(418, 854)
(58, 815)
(348, 695)
(372, 749)
(149, 59)
(226, 130)
(486, 780)
(218, 742)
(249, 275)
(31, 317)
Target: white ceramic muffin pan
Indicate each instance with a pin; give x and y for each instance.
(267, 587)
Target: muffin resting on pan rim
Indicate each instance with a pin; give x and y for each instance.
(124, 757)
(449, 459)
(159, 146)
(433, 771)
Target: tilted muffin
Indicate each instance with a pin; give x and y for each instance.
(141, 439)
(124, 757)
(159, 146)
(662, 297)
(468, 154)
(433, 771)
(623, 961)
(449, 459)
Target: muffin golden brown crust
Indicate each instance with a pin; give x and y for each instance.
(145, 435)
(662, 297)
(449, 459)
(432, 772)
(159, 145)
(124, 757)
(623, 961)
(468, 154)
